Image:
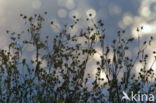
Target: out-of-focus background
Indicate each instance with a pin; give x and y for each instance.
(117, 15)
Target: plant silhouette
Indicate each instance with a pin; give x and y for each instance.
(64, 78)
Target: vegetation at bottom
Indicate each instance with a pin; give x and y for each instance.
(64, 78)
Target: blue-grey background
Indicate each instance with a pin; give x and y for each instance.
(117, 15)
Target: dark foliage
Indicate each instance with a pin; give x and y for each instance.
(64, 78)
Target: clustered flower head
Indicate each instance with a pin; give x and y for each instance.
(91, 14)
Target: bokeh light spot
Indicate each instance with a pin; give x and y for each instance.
(127, 19)
(62, 13)
(102, 74)
(91, 13)
(145, 11)
(114, 9)
(70, 4)
(36, 4)
(147, 29)
(74, 13)
(55, 26)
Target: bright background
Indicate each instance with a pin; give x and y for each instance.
(117, 15)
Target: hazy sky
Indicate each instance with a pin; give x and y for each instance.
(117, 14)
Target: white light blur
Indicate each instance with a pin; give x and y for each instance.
(70, 4)
(102, 75)
(126, 21)
(74, 13)
(98, 54)
(114, 9)
(148, 29)
(62, 13)
(36, 4)
(56, 26)
(145, 8)
(145, 11)
(91, 13)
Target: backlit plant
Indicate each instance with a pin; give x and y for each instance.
(64, 78)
